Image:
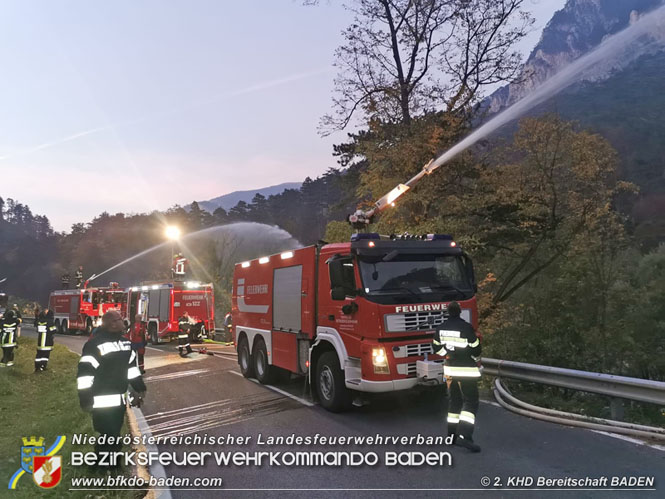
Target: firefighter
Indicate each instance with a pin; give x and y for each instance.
(36, 312)
(185, 324)
(137, 337)
(79, 276)
(19, 319)
(45, 333)
(106, 368)
(8, 331)
(65, 280)
(179, 267)
(461, 347)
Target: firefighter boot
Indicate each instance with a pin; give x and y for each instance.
(465, 432)
(467, 443)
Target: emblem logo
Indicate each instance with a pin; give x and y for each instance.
(31, 447)
(48, 471)
(42, 463)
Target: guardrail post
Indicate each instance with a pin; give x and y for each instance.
(616, 409)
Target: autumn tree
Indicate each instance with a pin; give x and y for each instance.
(556, 184)
(404, 58)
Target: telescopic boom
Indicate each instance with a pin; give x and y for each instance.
(361, 219)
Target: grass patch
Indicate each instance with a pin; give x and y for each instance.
(45, 405)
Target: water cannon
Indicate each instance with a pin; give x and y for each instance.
(361, 219)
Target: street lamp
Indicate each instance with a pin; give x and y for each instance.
(173, 233)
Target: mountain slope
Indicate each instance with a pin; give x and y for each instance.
(623, 101)
(228, 201)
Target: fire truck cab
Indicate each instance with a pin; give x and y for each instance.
(156, 307)
(82, 309)
(354, 317)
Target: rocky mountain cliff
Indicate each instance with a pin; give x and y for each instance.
(579, 27)
(623, 100)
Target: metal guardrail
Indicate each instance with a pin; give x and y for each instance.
(640, 390)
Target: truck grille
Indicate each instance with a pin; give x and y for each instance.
(410, 368)
(415, 321)
(413, 350)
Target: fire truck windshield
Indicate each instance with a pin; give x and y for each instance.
(402, 278)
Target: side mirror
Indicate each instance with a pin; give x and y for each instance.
(336, 272)
(350, 308)
(337, 293)
(468, 264)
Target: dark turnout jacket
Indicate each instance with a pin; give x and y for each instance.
(107, 367)
(457, 341)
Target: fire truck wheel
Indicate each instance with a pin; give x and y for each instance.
(57, 326)
(65, 327)
(245, 359)
(333, 394)
(88, 327)
(264, 371)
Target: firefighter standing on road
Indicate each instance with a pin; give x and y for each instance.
(185, 324)
(45, 333)
(9, 332)
(19, 319)
(137, 337)
(461, 348)
(106, 368)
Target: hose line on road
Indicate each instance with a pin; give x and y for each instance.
(570, 419)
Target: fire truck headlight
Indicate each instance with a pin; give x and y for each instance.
(380, 361)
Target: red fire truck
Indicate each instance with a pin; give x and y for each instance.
(155, 307)
(82, 309)
(354, 317)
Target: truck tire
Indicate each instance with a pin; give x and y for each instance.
(334, 396)
(245, 359)
(64, 326)
(88, 327)
(264, 372)
(58, 329)
(152, 333)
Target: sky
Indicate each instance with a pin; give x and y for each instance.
(131, 106)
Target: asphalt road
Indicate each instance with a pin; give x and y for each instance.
(206, 395)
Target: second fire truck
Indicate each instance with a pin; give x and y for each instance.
(156, 307)
(82, 309)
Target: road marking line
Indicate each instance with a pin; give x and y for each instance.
(157, 469)
(176, 374)
(631, 439)
(278, 390)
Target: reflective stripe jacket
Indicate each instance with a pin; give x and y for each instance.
(184, 324)
(106, 368)
(458, 342)
(8, 332)
(45, 332)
